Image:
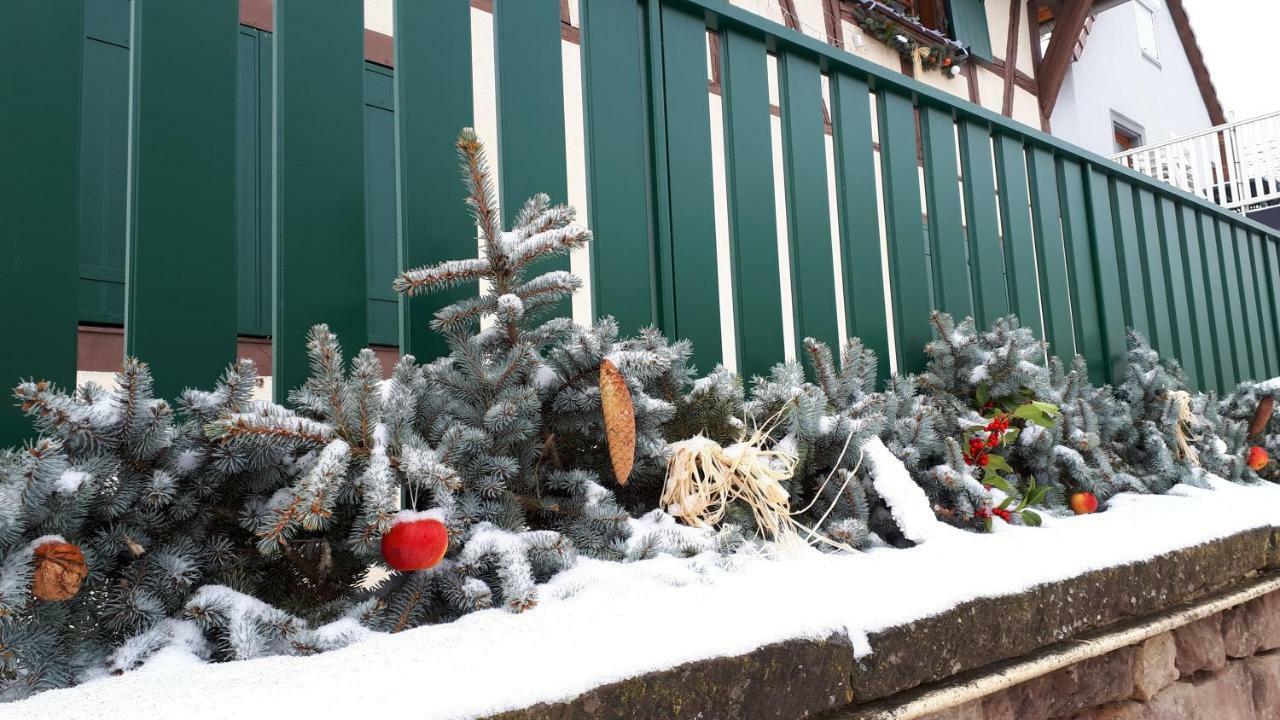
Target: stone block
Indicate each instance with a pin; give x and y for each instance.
(1264, 673)
(1268, 622)
(1224, 695)
(968, 711)
(1087, 684)
(1116, 711)
(1154, 666)
(1200, 646)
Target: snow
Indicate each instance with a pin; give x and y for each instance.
(906, 500)
(1268, 387)
(544, 377)
(69, 482)
(408, 516)
(601, 622)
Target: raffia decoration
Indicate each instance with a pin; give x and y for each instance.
(704, 478)
(619, 420)
(60, 568)
(1182, 426)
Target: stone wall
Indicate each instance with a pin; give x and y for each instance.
(1224, 667)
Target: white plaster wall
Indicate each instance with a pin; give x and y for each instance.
(1114, 75)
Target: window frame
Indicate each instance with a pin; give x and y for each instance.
(1151, 13)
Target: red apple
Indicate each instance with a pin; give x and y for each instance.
(1083, 503)
(1258, 458)
(416, 541)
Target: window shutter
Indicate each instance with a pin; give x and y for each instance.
(969, 23)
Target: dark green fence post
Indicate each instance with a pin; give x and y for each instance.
(908, 264)
(531, 142)
(865, 313)
(757, 292)
(1193, 266)
(986, 255)
(41, 45)
(1046, 212)
(180, 287)
(1251, 333)
(1216, 297)
(946, 228)
(433, 103)
(686, 270)
(319, 181)
(1151, 249)
(1085, 315)
(1177, 302)
(1019, 245)
(617, 151)
(1110, 302)
(804, 153)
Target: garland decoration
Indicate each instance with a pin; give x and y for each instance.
(944, 57)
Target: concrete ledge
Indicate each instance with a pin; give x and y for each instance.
(803, 678)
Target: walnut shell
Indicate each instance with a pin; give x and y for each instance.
(60, 569)
(619, 419)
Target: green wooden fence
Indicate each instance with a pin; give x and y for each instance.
(351, 177)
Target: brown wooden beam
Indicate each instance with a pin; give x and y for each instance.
(1011, 57)
(1067, 25)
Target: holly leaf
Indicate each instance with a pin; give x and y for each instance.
(1007, 502)
(983, 394)
(1031, 519)
(997, 463)
(999, 483)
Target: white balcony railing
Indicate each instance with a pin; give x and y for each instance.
(1236, 165)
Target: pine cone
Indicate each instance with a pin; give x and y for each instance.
(60, 568)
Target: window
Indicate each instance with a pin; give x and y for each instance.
(1147, 30)
(930, 13)
(1126, 138)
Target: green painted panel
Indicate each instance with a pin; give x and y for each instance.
(969, 26)
(1085, 314)
(1177, 299)
(856, 204)
(1211, 267)
(253, 235)
(1262, 291)
(1128, 257)
(1201, 318)
(103, 174)
(1046, 214)
(1271, 268)
(1237, 319)
(40, 75)
(986, 254)
(687, 122)
(617, 151)
(319, 227)
(1251, 332)
(757, 292)
(107, 21)
(1151, 251)
(381, 251)
(531, 141)
(804, 153)
(433, 103)
(947, 242)
(182, 184)
(908, 263)
(1019, 245)
(1110, 301)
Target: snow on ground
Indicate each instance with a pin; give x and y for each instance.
(602, 622)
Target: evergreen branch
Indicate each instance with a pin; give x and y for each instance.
(441, 276)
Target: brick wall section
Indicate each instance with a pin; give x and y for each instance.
(1224, 667)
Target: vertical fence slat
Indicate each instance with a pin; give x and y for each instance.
(1151, 251)
(1231, 290)
(1271, 268)
(1110, 301)
(808, 213)
(433, 100)
(1216, 300)
(531, 132)
(41, 46)
(1177, 302)
(1055, 295)
(986, 266)
(1253, 334)
(182, 191)
(1262, 291)
(1128, 257)
(319, 181)
(691, 198)
(946, 229)
(864, 282)
(1079, 249)
(757, 292)
(1205, 350)
(1019, 250)
(909, 265)
(613, 98)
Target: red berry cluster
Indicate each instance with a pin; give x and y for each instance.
(983, 513)
(979, 448)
